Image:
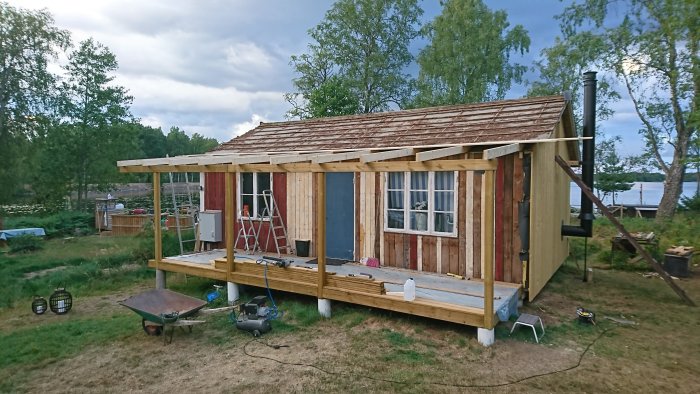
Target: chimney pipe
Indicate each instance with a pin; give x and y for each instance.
(585, 229)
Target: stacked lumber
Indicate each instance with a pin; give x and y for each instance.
(680, 250)
(356, 283)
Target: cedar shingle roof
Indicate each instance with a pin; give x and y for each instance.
(508, 120)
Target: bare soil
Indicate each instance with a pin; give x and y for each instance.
(661, 353)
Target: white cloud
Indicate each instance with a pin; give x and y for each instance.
(247, 56)
(243, 127)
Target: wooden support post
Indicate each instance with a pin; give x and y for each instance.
(321, 229)
(230, 222)
(158, 235)
(640, 249)
(157, 232)
(488, 248)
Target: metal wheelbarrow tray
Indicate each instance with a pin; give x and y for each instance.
(155, 305)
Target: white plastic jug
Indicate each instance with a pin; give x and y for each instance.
(409, 290)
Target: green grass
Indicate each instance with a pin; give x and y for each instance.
(37, 346)
(84, 265)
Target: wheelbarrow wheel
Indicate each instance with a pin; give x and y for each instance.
(151, 329)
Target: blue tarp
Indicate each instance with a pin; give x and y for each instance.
(7, 234)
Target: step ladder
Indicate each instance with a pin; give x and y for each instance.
(277, 230)
(248, 233)
(185, 208)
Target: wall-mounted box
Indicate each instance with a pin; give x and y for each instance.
(210, 226)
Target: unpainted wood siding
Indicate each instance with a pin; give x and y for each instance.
(300, 213)
(548, 210)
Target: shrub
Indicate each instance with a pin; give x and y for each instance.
(690, 204)
(25, 243)
(56, 225)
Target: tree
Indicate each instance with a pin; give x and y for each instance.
(468, 57)
(332, 98)
(612, 174)
(364, 43)
(653, 53)
(28, 41)
(201, 144)
(90, 108)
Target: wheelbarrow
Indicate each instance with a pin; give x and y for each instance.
(161, 309)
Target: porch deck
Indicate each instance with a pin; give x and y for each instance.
(438, 296)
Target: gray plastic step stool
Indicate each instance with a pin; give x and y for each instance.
(530, 321)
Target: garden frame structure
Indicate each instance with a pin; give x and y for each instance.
(472, 139)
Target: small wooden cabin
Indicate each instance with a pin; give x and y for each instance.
(426, 220)
(471, 190)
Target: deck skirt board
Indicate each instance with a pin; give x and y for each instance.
(438, 296)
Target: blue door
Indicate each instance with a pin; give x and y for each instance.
(340, 215)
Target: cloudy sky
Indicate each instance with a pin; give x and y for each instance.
(220, 67)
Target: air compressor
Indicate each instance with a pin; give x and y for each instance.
(253, 316)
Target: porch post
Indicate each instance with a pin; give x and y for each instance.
(157, 232)
(324, 306)
(486, 334)
(230, 204)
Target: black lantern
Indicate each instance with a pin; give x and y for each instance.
(60, 301)
(39, 305)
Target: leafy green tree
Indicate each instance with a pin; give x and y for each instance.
(177, 142)
(84, 149)
(612, 174)
(653, 53)
(468, 57)
(332, 98)
(151, 141)
(201, 144)
(28, 42)
(365, 44)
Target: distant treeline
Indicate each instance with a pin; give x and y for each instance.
(657, 177)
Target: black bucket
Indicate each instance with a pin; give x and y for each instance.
(302, 247)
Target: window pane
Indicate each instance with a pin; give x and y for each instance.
(246, 182)
(247, 205)
(419, 200)
(444, 222)
(444, 180)
(419, 180)
(444, 201)
(419, 220)
(263, 182)
(395, 180)
(395, 219)
(395, 199)
(262, 211)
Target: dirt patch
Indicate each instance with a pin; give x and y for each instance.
(36, 274)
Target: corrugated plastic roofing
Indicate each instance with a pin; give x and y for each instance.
(507, 120)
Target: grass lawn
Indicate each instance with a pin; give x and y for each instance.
(100, 346)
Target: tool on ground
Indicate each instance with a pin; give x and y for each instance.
(529, 321)
(254, 316)
(455, 276)
(585, 316)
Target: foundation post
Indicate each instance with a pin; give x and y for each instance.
(485, 336)
(324, 307)
(233, 292)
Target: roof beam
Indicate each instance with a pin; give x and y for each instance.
(282, 159)
(354, 166)
(499, 151)
(339, 156)
(440, 153)
(251, 159)
(391, 154)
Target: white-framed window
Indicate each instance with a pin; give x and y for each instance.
(251, 201)
(421, 202)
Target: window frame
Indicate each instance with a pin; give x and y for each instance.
(256, 194)
(431, 205)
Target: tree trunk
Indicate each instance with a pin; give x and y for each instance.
(672, 191)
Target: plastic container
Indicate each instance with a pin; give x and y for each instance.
(677, 265)
(302, 247)
(409, 290)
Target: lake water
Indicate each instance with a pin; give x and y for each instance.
(644, 193)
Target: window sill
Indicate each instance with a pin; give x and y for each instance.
(426, 233)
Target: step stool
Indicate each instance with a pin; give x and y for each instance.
(530, 321)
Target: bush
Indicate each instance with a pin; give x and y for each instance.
(25, 243)
(690, 204)
(57, 225)
(171, 245)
